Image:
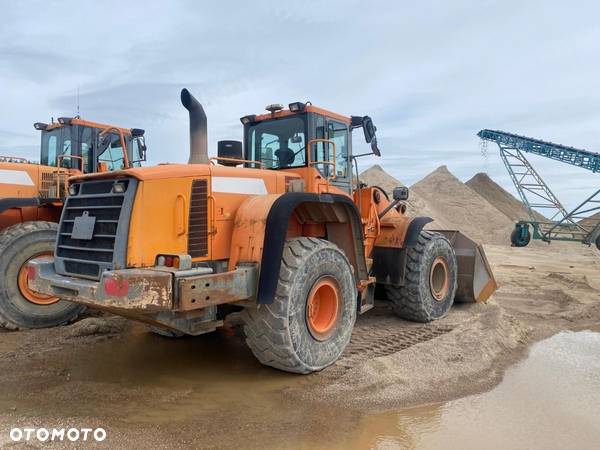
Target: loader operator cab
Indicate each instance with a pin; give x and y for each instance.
(73, 143)
(279, 140)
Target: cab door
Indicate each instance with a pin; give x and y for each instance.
(338, 133)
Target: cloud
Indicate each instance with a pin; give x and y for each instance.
(430, 74)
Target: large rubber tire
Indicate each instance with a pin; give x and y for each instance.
(279, 334)
(18, 244)
(431, 272)
(598, 242)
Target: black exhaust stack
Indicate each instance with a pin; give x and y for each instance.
(198, 129)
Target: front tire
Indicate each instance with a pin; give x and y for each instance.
(21, 308)
(431, 280)
(310, 322)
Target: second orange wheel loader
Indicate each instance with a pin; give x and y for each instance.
(31, 201)
(275, 228)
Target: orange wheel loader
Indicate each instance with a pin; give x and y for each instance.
(31, 200)
(274, 228)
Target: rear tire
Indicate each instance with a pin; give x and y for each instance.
(19, 307)
(309, 323)
(598, 242)
(430, 281)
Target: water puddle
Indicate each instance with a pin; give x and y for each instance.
(551, 400)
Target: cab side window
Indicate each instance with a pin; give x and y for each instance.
(49, 147)
(337, 132)
(67, 151)
(269, 145)
(136, 153)
(320, 148)
(113, 155)
(85, 138)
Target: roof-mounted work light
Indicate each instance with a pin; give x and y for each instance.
(297, 107)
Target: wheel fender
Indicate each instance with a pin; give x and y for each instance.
(22, 202)
(261, 228)
(389, 263)
(414, 229)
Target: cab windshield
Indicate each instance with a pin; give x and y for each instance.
(50, 146)
(278, 144)
(74, 146)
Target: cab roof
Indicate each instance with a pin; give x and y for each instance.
(308, 108)
(88, 123)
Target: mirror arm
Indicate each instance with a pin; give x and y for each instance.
(361, 154)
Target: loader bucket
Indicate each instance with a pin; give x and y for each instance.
(476, 281)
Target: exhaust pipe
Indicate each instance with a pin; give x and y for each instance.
(198, 129)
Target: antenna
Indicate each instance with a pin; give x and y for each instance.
(77, 100)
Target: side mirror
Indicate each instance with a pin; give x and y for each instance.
(374, 147)
(231, 150)
(400, 193)
(142, 147)
(368, 128)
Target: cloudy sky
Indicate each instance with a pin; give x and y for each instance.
(430, 73)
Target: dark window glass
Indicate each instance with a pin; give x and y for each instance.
(135, 153)
(67, 150)
(338, 134)
(85, 138)
(320, 148)
(279, 143)
(113, 155)
(49, 147)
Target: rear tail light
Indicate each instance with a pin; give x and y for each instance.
(167, 261)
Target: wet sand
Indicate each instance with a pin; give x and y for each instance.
(148, 391)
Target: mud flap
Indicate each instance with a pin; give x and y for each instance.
(476, 282)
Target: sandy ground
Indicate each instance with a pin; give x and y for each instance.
(148, 391)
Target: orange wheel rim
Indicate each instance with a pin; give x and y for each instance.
(323, 308)
(439, 283)
(33, 297)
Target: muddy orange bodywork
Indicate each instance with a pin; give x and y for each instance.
(227, 226)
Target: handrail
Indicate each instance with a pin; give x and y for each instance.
(123, 144)
(237, 160)
(13, 159)
(331, 163)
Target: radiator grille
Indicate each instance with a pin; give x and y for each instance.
(198, 224)
(107, 246)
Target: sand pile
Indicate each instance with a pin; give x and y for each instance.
(455, 205)
(376, 176)
(591, 221)
(504, 201)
